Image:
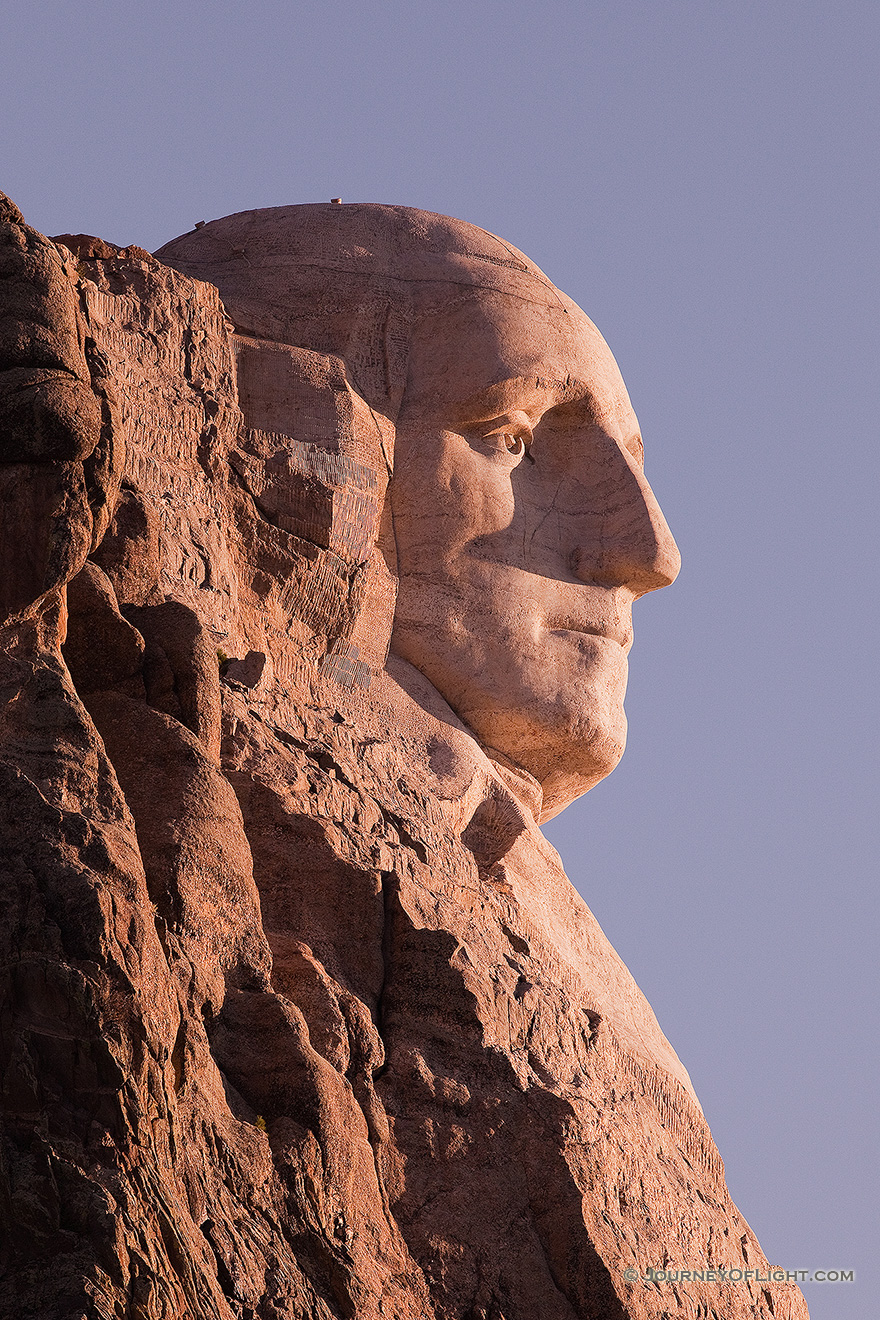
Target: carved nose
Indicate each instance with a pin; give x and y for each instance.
(636, 549)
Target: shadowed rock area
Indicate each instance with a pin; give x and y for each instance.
(315, 602)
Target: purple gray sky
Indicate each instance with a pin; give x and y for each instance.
(702, 179)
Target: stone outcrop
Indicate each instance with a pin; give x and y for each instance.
(299, 1014)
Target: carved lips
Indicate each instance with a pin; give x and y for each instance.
(622, 636)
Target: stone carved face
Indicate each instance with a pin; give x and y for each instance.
(523, 526)
(525, 529)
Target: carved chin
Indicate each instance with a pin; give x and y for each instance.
(568, 756)
(588, 763)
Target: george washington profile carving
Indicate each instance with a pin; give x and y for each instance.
(518, 523)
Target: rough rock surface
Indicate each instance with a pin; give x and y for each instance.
(299, 1015)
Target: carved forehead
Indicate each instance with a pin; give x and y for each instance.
(274, 246)
(489, 353)
(408, 299)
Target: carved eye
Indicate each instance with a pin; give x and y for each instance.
(510, 435)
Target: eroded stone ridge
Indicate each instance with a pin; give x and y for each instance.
(300, 1014)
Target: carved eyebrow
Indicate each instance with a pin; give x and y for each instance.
(570, 389)
(529, 394)
(572, 394)
(568, 393)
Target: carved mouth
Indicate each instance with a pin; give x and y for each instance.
(621, 636)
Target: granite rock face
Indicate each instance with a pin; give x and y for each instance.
(299, 1014)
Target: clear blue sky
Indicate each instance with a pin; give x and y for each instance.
(702, 179)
